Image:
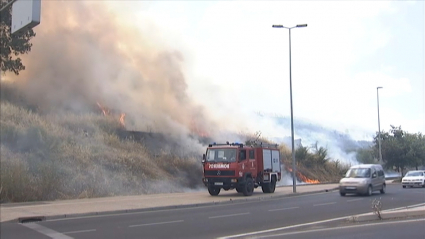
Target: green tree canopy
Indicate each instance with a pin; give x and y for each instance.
(366, 155)
(11, 46)
(401, 149)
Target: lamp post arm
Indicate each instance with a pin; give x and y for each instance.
(7, 5)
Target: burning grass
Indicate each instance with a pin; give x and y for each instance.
(48, 157)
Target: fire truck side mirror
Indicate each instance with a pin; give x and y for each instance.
(203, 158)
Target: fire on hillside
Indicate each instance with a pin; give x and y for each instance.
(303, 178)
(194, 127)
(107, 112)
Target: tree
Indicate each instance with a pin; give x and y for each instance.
(321, 155)
(12, 45)
(415, 149)
(401, 149)
(366, 155)
(301, 153)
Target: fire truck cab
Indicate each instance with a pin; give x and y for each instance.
(241, 167)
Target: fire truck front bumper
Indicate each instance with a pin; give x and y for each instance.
(221, 182)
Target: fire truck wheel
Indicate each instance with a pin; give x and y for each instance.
(248, 188)
(213, 191)
(269, 187)
(273, 186)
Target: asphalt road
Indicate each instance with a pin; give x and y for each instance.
(392, 229)
(218, 220)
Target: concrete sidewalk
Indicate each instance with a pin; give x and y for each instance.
(122, 204)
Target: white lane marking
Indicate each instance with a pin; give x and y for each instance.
(229, 215)
(155, 223)
(177, 209)
(281, 228)
(399, 208)
(81, 231)
(306, 224)
(353, 200)
(46, 231)
(339, 228)
(323, 204)
(281, 209)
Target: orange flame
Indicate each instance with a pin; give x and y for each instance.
(104, 110)
(122, 119)
(304, 178)
(107, 112)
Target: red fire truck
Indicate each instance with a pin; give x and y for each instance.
(241, 167)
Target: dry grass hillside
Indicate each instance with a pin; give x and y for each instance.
(68, 155)
(46, 156)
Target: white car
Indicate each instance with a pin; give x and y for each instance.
(414, 178)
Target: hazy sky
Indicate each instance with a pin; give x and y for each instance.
(237, 64)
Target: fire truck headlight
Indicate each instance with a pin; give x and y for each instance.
(233, 180)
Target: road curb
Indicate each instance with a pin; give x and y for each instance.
(385, 215)
(159, 208)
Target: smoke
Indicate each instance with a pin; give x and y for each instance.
(85, 53)
(340, 146)
(287, 178)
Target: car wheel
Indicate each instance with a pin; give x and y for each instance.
(404, 186)
(369, 190)
(342, 194)
(383, 189)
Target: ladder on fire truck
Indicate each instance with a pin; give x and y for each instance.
(261, 144)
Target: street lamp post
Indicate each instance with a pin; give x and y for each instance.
(294, 177)
(379, 124)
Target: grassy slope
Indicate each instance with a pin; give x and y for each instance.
(48, 157)
(52, 157)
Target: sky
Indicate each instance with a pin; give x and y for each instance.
(236, 62)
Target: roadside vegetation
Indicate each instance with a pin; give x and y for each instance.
(64, 156)
(401, 150)
(314, 165)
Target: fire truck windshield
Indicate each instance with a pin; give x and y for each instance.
(221, 155)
